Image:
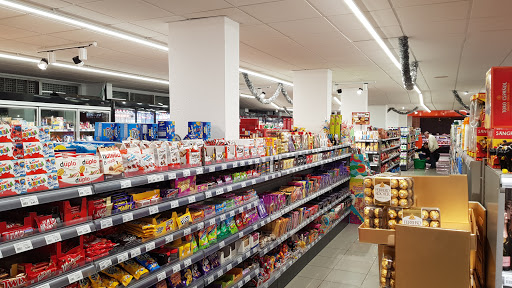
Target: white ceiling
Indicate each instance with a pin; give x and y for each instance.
(458, 39)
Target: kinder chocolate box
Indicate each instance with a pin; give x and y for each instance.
(12, 186)
(44, 133)
(498, 113)
(35, 166)
(12, 168)
(18, 150)
(5, 133)
(6, 151)
(149, 132)
(42, 182)
(105, 131)
(33, 150)
(166, 130)
(30, 134)
(16, 133)
(48, 149)
(127, 130)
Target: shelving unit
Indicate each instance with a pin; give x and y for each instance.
(407, 148)
(66, 232)
(376, 161)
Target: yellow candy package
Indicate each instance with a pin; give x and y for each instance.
(95, 280)
(109, 282)
(134, 268)
(118, 274)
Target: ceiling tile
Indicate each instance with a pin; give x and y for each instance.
(89, 15)
(331, 7)
(43, 41)
(273, 11)
(180, 7)
(127, 10)
(422, 15)
(248, 2)
(36, 24)
(489, 24)
(486, 8)
(391, 31)
(252, 55)
(6, 12)
(373, 5)
(8, 32)
(306, 27)
(234, 14)
(134, 29)
(160, 25)
(406, 3)
(385, 17)
(52, 4)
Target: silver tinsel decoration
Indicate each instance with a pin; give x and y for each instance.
(458, 112)
(457, 97)
(403, 112)
(409, 72)
(254, 92)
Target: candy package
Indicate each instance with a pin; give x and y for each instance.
(148, 262)
(118, 274)
(135, 269)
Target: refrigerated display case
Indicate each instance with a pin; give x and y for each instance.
(163, 116)
(145, 117)
(16, 115)
(61, 122)
(88, 120)
(124, 115)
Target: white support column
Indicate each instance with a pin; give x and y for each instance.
(312, 98)
(203, 74)
(378, 115)
(351, 101)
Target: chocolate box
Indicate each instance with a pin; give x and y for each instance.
(166, 130)
(498, 100)
(497, 137)
(105, 131)
(127, 130)
(148, 132)
(481, 143)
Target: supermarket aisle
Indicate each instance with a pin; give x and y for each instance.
(344, 263)
(443, 168)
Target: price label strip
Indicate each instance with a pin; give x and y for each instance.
(76, 276)
(23, 246)
(52, 238)
(86, 191)
(29, 201)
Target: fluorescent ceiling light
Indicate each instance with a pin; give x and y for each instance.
(383, 46)
(265, 76)
(19, 58)
(289, 109)
(247, 96)
(337, 100)
(66, 19)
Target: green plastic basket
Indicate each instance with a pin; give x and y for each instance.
(420, 164)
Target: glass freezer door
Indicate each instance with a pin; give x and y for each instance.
(62, 123)
(18, 115)
(88, 120)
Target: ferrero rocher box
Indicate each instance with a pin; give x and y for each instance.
(427, 256)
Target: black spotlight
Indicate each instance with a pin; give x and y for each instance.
(77, 61)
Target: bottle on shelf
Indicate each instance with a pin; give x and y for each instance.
(506, 246)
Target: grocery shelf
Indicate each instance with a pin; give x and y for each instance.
(67, 277)
(290, 261)
(390, 168)
(391, 148)
(62, 130)
(392, 157)
(371, 152)
(46, 238)
(281, 239)
(48, 196)
(224, 268)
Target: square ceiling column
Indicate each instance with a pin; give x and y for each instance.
(203, 74)
(312, 98)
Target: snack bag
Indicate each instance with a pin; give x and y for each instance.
(111, 161)
(134, 268)
(148, 262)
(109, 282)
(95, 280)
(118, 274)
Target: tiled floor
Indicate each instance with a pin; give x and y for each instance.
(343, 263)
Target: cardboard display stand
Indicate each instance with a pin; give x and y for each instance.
(437, 257)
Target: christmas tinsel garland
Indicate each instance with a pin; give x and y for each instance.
(254, 92)
(409, 72)
(402, 112)
(457, 97)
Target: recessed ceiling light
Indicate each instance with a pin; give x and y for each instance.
(439, 77)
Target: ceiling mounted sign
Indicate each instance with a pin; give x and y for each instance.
(361, 118)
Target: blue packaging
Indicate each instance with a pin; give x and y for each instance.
(195, 130)
(149, 132)
(166, 129)
(207, 128)
(127, 130)
(104, 131)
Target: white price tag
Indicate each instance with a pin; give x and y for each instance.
(45, 285)
(239, 260)
(229, 188)
(200, 225)
(123, 257)
(240, 234)
(52, 238)
(191, 199)
(235, 164)
(229, 267)
(224, 166)
(209, 280)
(240, 284)
(169, 238)
(221, 244)
(174, 204)
(222, 217)
(211, 169)
(135, 252)
(85, 191)
(241, 209)
(266, 178)
(232, 214)
(29, 201)
(76, 276)
(212, 222)
(219, 274)
(105, 264)
(105, 223)
(187, 262)
(159, 178)
(81, 230)
(186, 173)
(208, 194)
(243, 184)
(1, 256)
(151, 179)
(150, 246)
(247, 254)
(171, 176)
(220, 191)
(160, 276)
(127, 217)
(176, 268)
(199, 170)
(247, 278)
(256, 161)
(255, 227)
(187, 231)
(253, 181)
(125, 184)
(249, 162)
(23, 246)
(507, 280)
